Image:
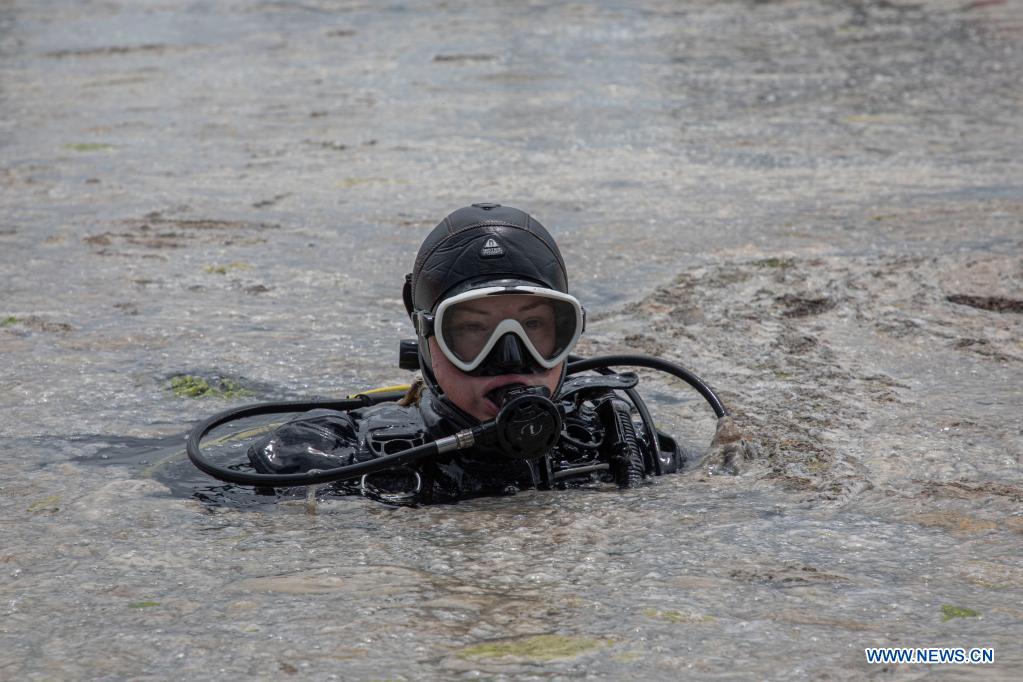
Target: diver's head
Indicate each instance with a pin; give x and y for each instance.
(489, 299)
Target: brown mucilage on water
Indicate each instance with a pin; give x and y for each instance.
(729, 451)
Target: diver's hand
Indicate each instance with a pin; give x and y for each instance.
(729, 451)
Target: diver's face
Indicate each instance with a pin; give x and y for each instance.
(470, 392)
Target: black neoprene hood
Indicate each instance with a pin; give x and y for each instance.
(480, 244)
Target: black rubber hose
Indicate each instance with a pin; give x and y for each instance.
(356, 470)
(576, 364)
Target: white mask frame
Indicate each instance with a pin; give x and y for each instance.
(427, 324)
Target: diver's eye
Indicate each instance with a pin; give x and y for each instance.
(535, 323)
(470, 328)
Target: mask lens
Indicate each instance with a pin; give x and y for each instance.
(549, 323)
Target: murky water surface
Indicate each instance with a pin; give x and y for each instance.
(817, 206)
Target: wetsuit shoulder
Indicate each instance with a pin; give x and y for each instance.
(327, 439)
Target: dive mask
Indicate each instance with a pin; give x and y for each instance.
(468, 325)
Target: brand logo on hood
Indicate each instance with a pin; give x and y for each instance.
(491, 249)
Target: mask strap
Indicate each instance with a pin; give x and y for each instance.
(406, 294)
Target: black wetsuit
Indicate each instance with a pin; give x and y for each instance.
(586, 453)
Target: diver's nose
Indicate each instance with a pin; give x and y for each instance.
(509, 356)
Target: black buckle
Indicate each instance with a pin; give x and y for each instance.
(423, 323)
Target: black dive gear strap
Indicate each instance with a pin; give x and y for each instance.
(528, 425)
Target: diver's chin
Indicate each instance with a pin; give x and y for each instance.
(491, 409)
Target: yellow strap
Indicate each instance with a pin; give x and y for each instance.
(384, 389)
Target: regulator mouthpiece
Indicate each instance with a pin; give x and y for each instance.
(529, 423)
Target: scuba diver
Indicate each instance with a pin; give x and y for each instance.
(499, 403)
